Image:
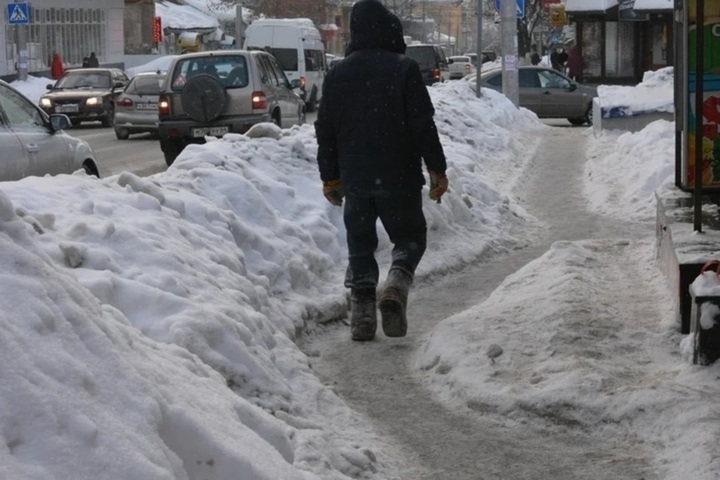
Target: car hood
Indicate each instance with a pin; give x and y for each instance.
(76, 93)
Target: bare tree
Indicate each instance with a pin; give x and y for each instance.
(403, 9)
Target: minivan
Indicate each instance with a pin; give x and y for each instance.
(433, 63)
(297, 45)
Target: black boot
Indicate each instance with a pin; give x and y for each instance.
(363, 314)
(393, 302)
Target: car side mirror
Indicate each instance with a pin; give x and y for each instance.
(49, 86)
(58, 121)
(573, 86)
(119, 85)
(450, 61)
(295, 83)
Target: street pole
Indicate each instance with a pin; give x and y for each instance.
(239, 27)
(22, 60)
(478, 48)
(508, 27)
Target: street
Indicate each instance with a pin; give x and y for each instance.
(140, 154)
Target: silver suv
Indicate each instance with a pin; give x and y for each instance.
(226, 91)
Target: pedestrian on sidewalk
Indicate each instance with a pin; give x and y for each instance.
(56, 68)
(93, 61)
(575, 64)
(374, 128)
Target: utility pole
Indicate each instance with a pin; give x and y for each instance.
(478, 49)
(508, 25)
(239, 27)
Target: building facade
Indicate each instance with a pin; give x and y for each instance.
(619, 43)
(72, 31)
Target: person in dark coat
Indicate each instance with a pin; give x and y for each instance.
(93, 61)
(374, 128)
(56, 68)
(574, 64)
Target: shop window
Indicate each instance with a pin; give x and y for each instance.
(619, 49)
(592, 49)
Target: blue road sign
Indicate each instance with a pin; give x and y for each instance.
(520, 7)
(18, 14)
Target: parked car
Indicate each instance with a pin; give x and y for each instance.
(299, 48)
(136, 110)
(33, 143)
(547, 93)
(214, 93)
(473, 58)
(460, 66)
(433, 63)
(86, 94)
(488, 56)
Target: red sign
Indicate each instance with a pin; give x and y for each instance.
(548, 3)
(157, 30)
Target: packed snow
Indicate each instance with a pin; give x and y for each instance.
(150, 322)
(162, 63)
(654, 94)
(184, 17)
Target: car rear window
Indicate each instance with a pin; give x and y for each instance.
(460, 59)
(146, 85)
(288, 58)
(84, 80)
(424, 56)
(230, 70)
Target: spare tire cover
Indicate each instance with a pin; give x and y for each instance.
(203, 98)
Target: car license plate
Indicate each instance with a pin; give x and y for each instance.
(146, 106)
(210, 131)
(67, 108)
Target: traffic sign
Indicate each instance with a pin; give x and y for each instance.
(18, 14)
(520, 7)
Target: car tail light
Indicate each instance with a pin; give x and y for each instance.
(436, 74)
(164, 106)
(468, 67)
(124, 102)
(259, 101)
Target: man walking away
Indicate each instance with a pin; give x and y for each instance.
(93, 61)
(374, 127)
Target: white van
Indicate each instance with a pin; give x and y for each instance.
(297, 45)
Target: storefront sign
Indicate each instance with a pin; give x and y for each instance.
(557, 15)
(627, 13)
(709, 28)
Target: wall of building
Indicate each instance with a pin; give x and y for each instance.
(90, 25)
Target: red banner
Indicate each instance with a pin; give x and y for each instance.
(157, 30)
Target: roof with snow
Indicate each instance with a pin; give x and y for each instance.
(653, 5)
(589, 5)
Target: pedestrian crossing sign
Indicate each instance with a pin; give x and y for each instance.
(18, 14)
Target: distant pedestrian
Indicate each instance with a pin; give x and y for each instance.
(575, 64)
(535, 56)
(56, 68)
(93, 61)
(374, 128)
(85, 62)
(558, 58)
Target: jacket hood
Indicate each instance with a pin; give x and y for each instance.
(373, 26)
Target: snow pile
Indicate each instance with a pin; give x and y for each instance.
(178, 16)
(223, 10)
(624, 170)
(33, 88)
(149, 322)
(654, 94)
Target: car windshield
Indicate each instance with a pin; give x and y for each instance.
(288, 58)
(460, 59)
(424, 56)
(230, 70)
(84, 80)
(146, 85)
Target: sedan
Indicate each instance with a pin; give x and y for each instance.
(33, 143)
(86, 94)
(136, 110)
(548, 93)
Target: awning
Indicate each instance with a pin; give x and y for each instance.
(589, 6)
(653, 5)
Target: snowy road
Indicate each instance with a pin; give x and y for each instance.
(433, 440)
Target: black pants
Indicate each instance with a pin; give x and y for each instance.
(403, 219)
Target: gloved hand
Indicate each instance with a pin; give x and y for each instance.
(438, 185)
(332, 189)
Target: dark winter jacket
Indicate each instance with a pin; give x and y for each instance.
(375, 122)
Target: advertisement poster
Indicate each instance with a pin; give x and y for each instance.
(709, 28)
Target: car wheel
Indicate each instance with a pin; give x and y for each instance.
(203, 98)
(90, 168)
(589, 115)
(109, 119)
(576, 121)
(122, 133)
(170, 150)
(276, 118)
(75, 122)
(312, 103)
